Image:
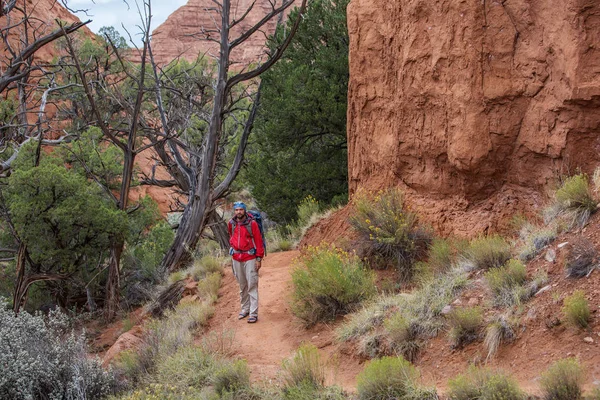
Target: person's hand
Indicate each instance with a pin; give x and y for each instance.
(257, 265)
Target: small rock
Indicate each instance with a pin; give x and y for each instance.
(446, 310)
(315, 337)
(457, 302)
(588, 339)
(563, 244)
(550, 255)
(542, 290)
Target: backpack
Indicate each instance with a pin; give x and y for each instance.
(254, 215)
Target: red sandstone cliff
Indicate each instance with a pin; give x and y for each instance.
(473, 107)
(179, 35)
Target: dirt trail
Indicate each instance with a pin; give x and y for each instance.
(278, 333)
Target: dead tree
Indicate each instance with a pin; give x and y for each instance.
(200, 168)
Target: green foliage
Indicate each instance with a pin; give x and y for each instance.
(330, 283)
(464, 325)
(300, 131)
(484, 384)
(189, 366)
(562, 380)
(391, 378)
(576, 309)
(42, 358)
(304, 369)
(506, 283)
(390, 233)
(64, 220)
(110, 34)
(91, 155)
(231, 377)
(487, 252)
(403, 336)
(576, 197)
(308, 207)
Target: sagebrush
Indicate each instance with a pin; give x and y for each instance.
(45, 359)
(329, 282)
(390, 233)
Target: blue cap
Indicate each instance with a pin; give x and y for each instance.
(239, 204)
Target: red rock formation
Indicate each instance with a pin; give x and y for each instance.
(473, 107)
(43, 16)
(179, 35)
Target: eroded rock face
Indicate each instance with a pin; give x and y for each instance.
(473, 107)
(181, 34)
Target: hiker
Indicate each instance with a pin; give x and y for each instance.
(247, 251)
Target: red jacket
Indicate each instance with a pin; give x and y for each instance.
(240, 239)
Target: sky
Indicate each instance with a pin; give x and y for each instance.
(117, 13)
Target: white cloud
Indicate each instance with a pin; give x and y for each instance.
(123, 16)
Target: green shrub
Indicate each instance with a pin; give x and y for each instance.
(154, 391)
(391, 378)
(278, 241)
(231, 377)
(576, 198)
(576, 309)
(506, 283)
(562, 380)
(330, 283)
(403, 336)
(190, 366)
(304, 369)
(500, 330)
(309, 392)
(390, 234)
(464, 325)
(43, 358)
(308, 207)
(487, 252)
(581, 259)
(483, 384)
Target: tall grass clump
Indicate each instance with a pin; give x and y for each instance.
(484, 384)
(390, 233)
(304, 369)
(43, 358)
(391, 378)
(329, 282)
(562, 380)
(500, 330)
(403, 336)
(487, 253)
(574, 202)
(581, 259)
(576, 309)
(506, 283)
(231, 378)
(465, 324)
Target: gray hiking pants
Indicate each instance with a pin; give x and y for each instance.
(247, 277)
